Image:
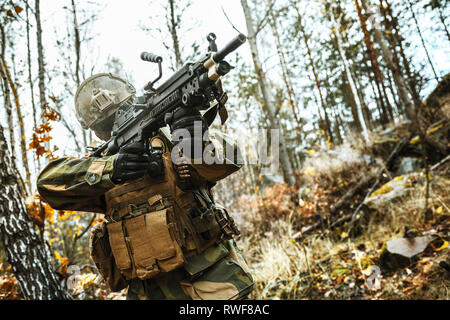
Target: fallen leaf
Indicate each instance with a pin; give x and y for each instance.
(444, 245)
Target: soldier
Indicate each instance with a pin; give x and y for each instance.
(163, 235)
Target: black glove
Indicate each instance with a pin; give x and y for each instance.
(133, 162)
(186, 118)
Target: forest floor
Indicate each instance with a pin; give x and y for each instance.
(299, 248)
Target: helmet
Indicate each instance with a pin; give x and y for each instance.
(98, 98)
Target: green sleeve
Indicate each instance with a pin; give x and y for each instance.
(76, 184)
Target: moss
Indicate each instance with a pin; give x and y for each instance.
(382, 190)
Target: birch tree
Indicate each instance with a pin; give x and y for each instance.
(21, 123)
(7, 92)
(40, 51)
(24, 249)
(305, 38)
(284, 69)
(30, 80)
(349, 77)
(269, 106)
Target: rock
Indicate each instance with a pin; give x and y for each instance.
(408, 247)
(408, 165)
(367, 159)
(393, 189)
(399, 253)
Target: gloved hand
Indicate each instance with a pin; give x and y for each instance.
(132, 162)
(187, 118)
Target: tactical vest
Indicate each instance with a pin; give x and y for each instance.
(153, 226)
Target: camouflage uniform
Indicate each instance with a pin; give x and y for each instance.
(219, 272)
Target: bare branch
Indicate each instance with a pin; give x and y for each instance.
(78, 236)
(226, 16)
(263, 22)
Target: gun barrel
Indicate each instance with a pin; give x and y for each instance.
(146, 56)
(230, 47)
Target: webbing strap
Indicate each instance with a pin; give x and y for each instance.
(122, 203)
(133, 186)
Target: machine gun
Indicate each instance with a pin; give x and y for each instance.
(195, 85)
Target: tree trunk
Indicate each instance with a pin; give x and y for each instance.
(269, 107)
(400, 107)
(339, 125)
(359, 90)
(397, 40)
(402, 87)
(77, 46)
(41, 69)
(376, 94)
(442, 18)
(173, 32)
(30, 80)
(7, 95)
(349, 78)
(20, 119)
(281, 56)
(37, 162)
(374, 64)
(25, 251)
(327, 130)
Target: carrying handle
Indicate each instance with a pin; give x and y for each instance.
(150, 57)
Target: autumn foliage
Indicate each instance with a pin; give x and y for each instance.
(41, 134)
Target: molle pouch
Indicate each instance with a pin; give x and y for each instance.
(120, 248)
(153, 245)
(141, 248)
(205, 223)
(213, 223)
(103, 258)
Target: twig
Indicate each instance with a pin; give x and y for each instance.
(226, 16)
(262, 23)
(78, 236)
(442, 202)
(434, 167)
(350, 194)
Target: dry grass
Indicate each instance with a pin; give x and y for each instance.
(285, 268)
